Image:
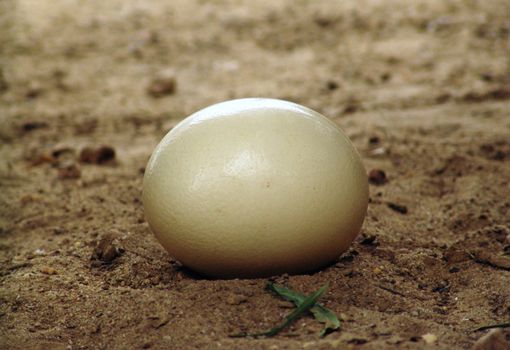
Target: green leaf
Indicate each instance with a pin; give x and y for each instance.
(321, 314)
(307, 303)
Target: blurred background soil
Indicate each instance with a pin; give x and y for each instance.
(88, 88)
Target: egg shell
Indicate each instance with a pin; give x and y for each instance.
(255, 187)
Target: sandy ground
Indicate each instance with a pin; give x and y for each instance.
(422, 88)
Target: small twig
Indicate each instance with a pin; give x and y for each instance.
(391, 290)
(492, 326)
(486, 262)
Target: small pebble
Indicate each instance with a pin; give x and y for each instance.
(33, 125)
(332, 85)
(379, 151)
(402, 209)
(236, 299)
(39, 252)
(377, 177)
(163, 85)
(62, 154)
(99, 155)
(429, 338)
(369, 240)
(69, 171)
(58, 231)
(374, 140)
(352, 107)
(106, 251)
(48, 270)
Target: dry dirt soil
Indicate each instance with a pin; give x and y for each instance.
(88, 88)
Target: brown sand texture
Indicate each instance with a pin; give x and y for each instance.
(88, 88)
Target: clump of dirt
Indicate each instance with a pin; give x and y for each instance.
(421, 88)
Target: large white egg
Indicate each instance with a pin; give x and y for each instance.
(255, 187)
